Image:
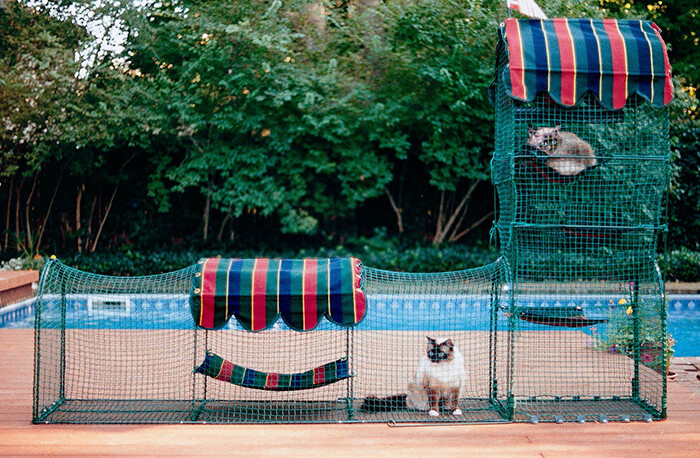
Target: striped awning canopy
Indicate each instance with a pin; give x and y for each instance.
(567, 58)
(257, 291)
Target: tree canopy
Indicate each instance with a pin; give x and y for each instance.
(230, 123)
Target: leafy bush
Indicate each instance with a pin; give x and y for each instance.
(384, 253)
(681, 265)
(378, 251)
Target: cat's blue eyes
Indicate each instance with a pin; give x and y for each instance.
(437, 355)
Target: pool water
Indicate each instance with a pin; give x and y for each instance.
(172, 312)
(683, 324)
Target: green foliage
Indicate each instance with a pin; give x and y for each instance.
(618, 334)
(36, 83)
(383, 252)
(298, 221)
(377, 251)
(134, 263)
(263, 128)
(678, 21)
(684, 199)
(247, 123)
(440, 53)
(680, 265)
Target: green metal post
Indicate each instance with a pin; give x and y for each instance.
(350, 394)
(493, 337)
(636, 353)
(664, 333)
(62, 383)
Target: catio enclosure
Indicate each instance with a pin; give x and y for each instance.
(583, 241)
(569, 324)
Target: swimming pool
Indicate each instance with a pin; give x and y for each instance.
(172, 312)
(684, 323)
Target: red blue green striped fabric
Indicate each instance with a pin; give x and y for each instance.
(257, 291)
(567, 58)
(220, 369)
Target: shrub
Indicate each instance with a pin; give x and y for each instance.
(373, 252)
(376, 251)
(680, 265)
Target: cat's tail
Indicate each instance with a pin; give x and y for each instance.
(373, 404)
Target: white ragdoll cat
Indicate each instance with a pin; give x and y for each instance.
(438, 380)
(437, 383)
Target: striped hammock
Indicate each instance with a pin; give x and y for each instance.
(257, 291)
(218, 368)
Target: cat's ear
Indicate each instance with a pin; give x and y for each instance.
(530, 129)
(556, 129)
(430, 345)
(449, 343)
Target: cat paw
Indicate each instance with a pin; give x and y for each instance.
(434, 413)
(457, 412)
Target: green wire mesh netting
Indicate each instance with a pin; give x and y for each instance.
(123, 350)
(579, 231)
(568, 325)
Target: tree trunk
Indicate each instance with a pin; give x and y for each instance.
(48, 212)
(18, 195)
(207, 204)
(29, 246)
(397, 211)
(78, 201)
(223, 225)
(66, 229)
(439, 236)
(363, 5)
(104, 218)
(91, 217)
(454, 237)
(7, 216)
(443, 229)
(316, 15)
(18, 214)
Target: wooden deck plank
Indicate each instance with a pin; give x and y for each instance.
(678, 436)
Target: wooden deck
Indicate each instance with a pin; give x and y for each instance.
(679, 435)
